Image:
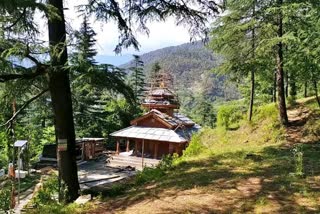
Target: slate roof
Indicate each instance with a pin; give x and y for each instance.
(148, 133)
(161, 92)
(177, 119)
(183, 128)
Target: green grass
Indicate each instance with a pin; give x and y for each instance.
(224, 163)
(217, 161)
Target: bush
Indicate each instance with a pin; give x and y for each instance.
(48, 193)
(5, 199)
(195, 147)
(149, 174)
(167, 161)
(266, 111)
(229, 116)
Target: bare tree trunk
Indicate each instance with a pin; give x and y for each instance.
(274, 95)
(306, 89)
(253, 69)
(280, 72)
(59, 86)
(293, 86)
(315, 86)
(286, 76)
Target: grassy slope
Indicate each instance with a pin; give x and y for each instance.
(257, 169)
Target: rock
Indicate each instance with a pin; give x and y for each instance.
(82, 199)
(2, 172)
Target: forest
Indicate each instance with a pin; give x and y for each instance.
(249, 77)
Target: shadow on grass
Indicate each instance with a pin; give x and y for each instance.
(232, 182)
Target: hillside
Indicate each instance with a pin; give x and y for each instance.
(257, 168)
(191, 65)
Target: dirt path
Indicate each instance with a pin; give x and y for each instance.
(298, 117)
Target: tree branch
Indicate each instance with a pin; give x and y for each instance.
(24, 106)
(41, 69)
(17, 20)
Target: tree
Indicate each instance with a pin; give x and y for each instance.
(90, 95)
(278, 29)
(280, 64)
(62, 104)
(155, 70)
(186, 12)
(137, 78)
(240, 29)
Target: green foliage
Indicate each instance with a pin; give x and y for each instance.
(168, 161)
(195, 146)
(298, 159)
(96, 88)
(5, 199)
(268, 111)
(149, 175)
(48, 193)
(137, 79)
(229, 116)
(152, 174)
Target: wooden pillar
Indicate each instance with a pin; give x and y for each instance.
(171, 148)
(142, 155)
(118, 147)
(83, 151)
(128, 145)
(156, 147)
(135, 147)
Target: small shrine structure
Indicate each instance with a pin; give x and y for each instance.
(162, 130)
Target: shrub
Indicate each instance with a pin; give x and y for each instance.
(195, 147)
(48, 193)
(149, 174)
(229, 115)
(5, 199)
(167, 161)
(266, 111)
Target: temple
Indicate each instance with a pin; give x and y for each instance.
(162, 130)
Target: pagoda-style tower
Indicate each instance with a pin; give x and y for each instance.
(162, 130)
(159, 95)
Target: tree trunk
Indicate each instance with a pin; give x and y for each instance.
(253, 68)
(293, 87)
(286, 76)
(251, 94)
(280, 73)
(59, 86)
(274, 95)
(315, 86)
(305, 89)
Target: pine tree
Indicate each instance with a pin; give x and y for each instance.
(137, 78)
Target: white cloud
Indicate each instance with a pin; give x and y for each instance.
(162, 34)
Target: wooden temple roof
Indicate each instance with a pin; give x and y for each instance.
(176, 120)
(180, 128)
(156, 134)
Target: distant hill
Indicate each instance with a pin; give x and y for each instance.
(191, 65)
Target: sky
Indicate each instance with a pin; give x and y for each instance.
(162, 34)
